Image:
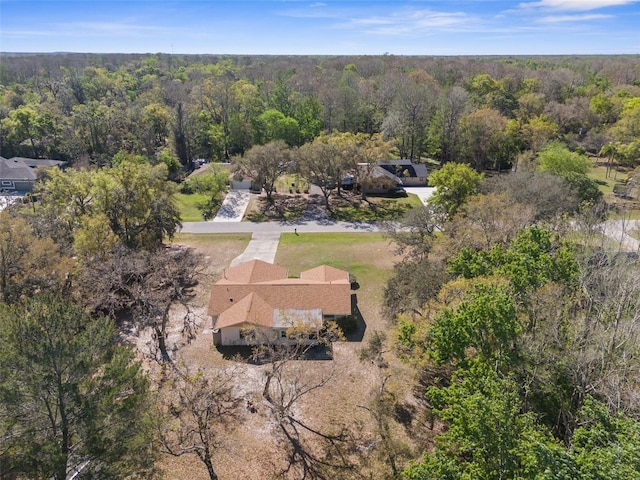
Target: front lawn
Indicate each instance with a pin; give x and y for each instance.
(621, 208)
(292, 184)
(187, 205)
(598, 174)
(368, 256)
(355, 209)
(285, 207)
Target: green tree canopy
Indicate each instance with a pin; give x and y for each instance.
(454, 183)
(134, 196)
(537, 131)
(484, 323)
(28, 264)
(572, 168)
(531, 260)
(627, 128)
(71, 399)
(558, 159)
(273, 125)
(488, 435)
(264, 164)
(606, 446)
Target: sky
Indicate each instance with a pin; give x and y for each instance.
(323, 27)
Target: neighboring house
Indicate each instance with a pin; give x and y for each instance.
(18, 174)
(374, 179)
(39, 162)
(260, 297)
(412, 174)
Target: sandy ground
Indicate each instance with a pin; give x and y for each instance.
(251, 449)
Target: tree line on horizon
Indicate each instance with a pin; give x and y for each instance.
(520, 329)
(487, 111)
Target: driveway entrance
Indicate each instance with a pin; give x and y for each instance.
(233, 206)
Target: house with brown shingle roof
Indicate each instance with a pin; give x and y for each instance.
(257, 296)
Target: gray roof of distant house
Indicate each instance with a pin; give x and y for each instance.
(39, 162)
(379, 171)
(16, 169)
(414, 169)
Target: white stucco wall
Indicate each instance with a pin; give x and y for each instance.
(230, 336)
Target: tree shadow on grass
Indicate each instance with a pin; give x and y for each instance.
(354, 208)
(282, 207)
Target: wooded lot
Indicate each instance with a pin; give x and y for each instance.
(497, 329)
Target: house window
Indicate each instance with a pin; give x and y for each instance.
(283, 334)
(7, 183)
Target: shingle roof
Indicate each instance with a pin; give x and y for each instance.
(250, 309)
(254, 271)
(39, 162)
(414, 169)
(325, 273)
(16, 169)
(379, 171)
(236, 299)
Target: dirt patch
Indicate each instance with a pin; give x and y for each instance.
(283, 207)
(252, 449)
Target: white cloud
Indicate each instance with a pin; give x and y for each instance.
(402, 20)
(572, 18)
(575, 5)
(412, 21)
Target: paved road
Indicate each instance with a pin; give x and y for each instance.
(313, 221)
(302, 226)
(266, 235)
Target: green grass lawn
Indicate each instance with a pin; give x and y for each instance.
(368, 256)
(187, 206)
(375, 208)
(598, 174)
(621, 208)
(288, 183)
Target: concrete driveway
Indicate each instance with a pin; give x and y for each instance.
(263, 246)
(423, 193)
(234, 206)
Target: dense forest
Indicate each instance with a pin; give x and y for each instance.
(485, 111)
(510, 341)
